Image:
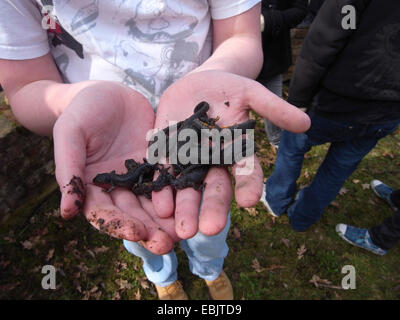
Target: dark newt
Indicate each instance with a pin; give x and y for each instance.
(146, 188)
(193, 177)
(126, 180)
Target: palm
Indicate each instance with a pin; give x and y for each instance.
(230, 98)
(98, 136)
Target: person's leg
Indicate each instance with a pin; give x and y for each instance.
(281, 186)
(340, 162)
(206, 254)
(387, 234)
(395, 199)
(160, 270)
(273, 132)
(342, 159)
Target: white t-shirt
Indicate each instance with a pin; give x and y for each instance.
(145, 44)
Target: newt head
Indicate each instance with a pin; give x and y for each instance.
(103, 180)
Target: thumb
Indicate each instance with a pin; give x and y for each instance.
(70, 159)
(281, 113)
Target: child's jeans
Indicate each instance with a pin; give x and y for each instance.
(206, 258)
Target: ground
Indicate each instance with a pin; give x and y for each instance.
(267, 259)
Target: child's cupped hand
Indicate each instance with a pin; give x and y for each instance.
(104, 125)
(231, 97)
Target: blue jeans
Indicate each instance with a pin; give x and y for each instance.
(350, 142)
(206, 258)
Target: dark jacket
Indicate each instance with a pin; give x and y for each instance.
(279, 17)
(351, 74)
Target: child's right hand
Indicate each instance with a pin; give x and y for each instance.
(103, 125)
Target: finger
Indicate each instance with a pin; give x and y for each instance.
(277, 110)
(187, 212)
(249, 181)
(157, 240)
(217, 198)
(163, 200)
(101, 212)
(166, 224)
(70, 158)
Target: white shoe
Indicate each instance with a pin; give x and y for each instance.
(266, 204)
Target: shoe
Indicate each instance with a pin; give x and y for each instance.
(383, 191)
(358, 237)
(172, 292)
(264, 201)
(220, 288)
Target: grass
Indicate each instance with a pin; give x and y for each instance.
(263, 261)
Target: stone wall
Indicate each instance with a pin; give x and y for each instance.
(26, 166)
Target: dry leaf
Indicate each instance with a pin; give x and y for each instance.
(94, 289)
(252, 211)
(123, 284)
(144, 284)
(286, 242)
(138, 296)
(27, 244)
(301, 251)
(50, 255)
(343, 191)
(91, 253)
(335, 204)
(101, 249)
(274, 267)
(318, 282)
(356, 181)
(366, 186)
(9, 239)
(116, 296)
(256, 266)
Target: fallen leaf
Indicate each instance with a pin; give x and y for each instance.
(9, 239)
(252, 211)
(27, 244)
(116, 296)
(256, 266)
(366, 186)
(356, 181)
(286, 242)
(123, 284)
(91, 253)
(301, 251)
(94, 289)
(274, 267)
(50, 255)
(335, 204)
(144, 284)
(318, 282)
(138, 296)
(101, 249)
(343, 191)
